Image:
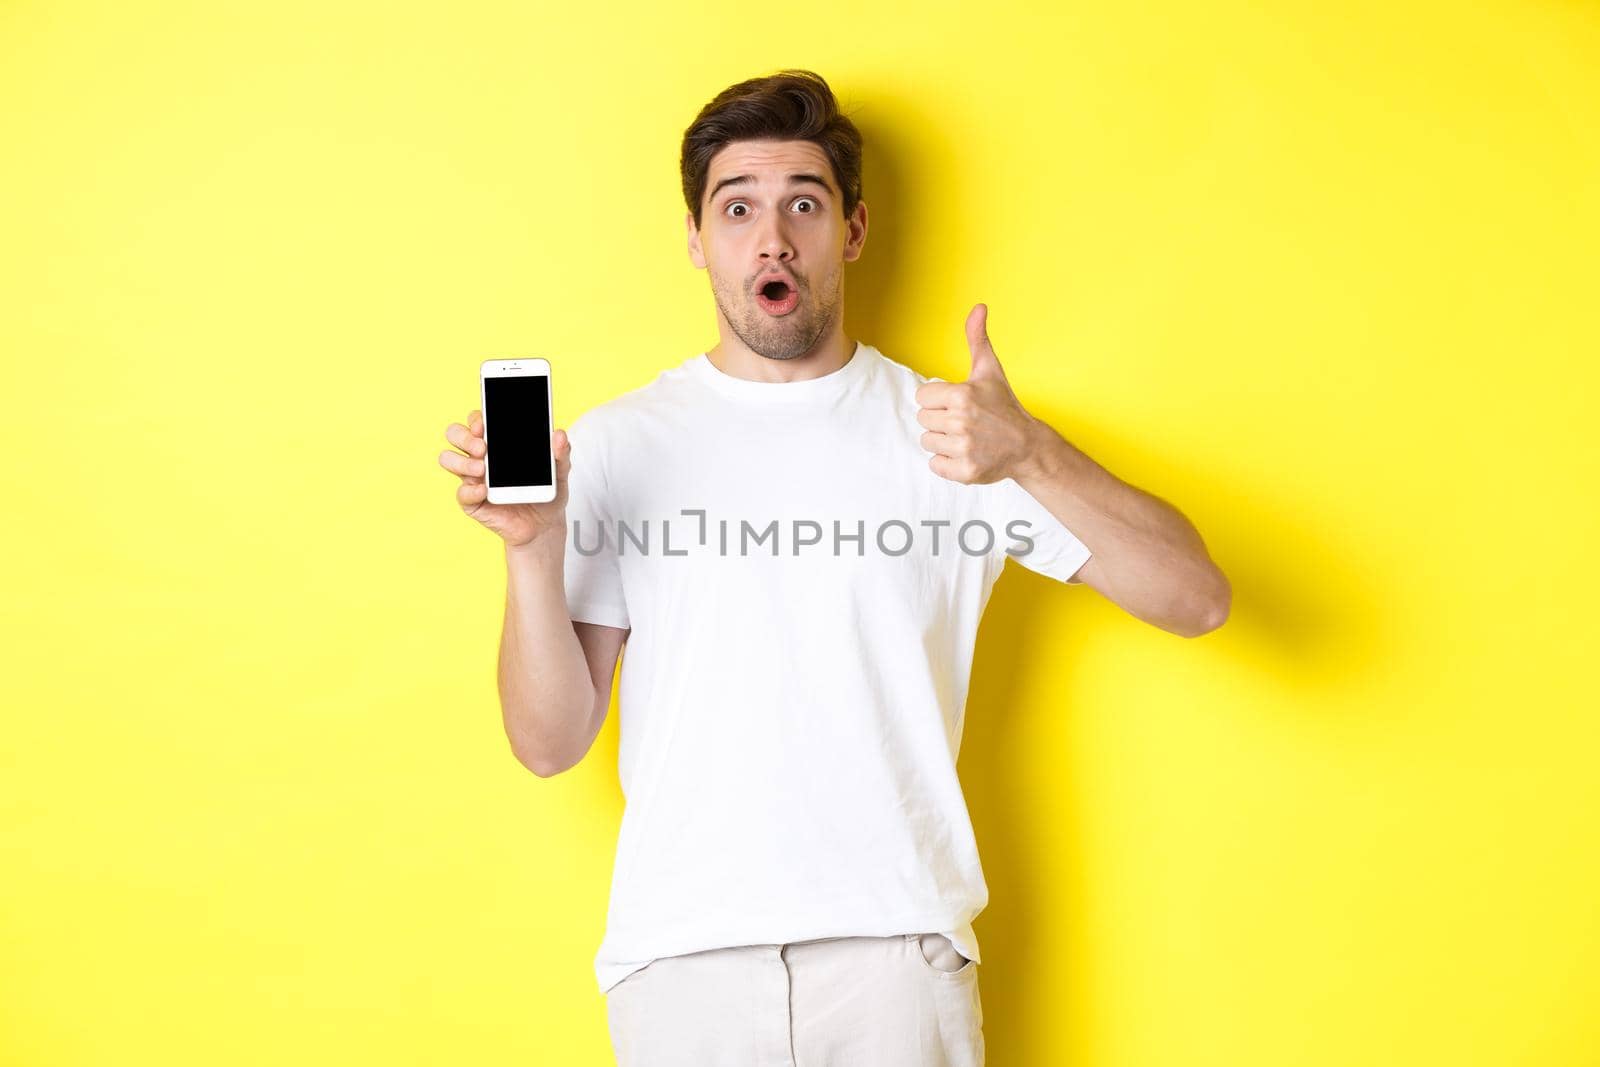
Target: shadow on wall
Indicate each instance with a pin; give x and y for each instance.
(1292, 622)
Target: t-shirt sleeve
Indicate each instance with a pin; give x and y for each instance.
(1028, 533)
(593, 575)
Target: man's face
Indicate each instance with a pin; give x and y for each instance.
(773, 212)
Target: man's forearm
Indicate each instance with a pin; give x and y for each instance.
(546, 692)
(1149, 559)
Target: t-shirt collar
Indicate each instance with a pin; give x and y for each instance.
(825, 387)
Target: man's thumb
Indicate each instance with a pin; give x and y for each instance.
(985, 364)
(561, 449)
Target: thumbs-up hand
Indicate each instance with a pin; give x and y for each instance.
(977, 430)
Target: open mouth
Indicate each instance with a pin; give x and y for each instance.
(777, 297)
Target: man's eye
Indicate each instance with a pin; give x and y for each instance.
(740, 204)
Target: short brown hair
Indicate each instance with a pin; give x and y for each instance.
(791, 105)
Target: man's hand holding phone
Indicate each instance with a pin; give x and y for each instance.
(519, 525)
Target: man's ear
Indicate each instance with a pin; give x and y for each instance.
(855, 232)
(696, 255)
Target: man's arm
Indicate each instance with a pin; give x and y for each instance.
(554, 674)
(1147, 556)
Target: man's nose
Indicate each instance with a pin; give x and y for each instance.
(775, 243)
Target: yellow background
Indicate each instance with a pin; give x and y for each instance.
(1321, 275)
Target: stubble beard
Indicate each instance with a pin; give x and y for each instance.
(778, 337)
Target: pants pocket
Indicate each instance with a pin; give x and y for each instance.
(940, 956)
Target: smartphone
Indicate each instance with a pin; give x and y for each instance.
(518, 464)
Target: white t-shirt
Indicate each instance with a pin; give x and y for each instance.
(791, 703)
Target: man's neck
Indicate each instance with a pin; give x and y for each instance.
(830, 353)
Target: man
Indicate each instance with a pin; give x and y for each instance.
(796, 536)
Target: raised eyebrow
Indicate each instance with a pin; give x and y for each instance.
(794, 179)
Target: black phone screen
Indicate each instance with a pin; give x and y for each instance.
(516, 419)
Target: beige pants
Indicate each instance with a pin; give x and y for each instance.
(908, 1000)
